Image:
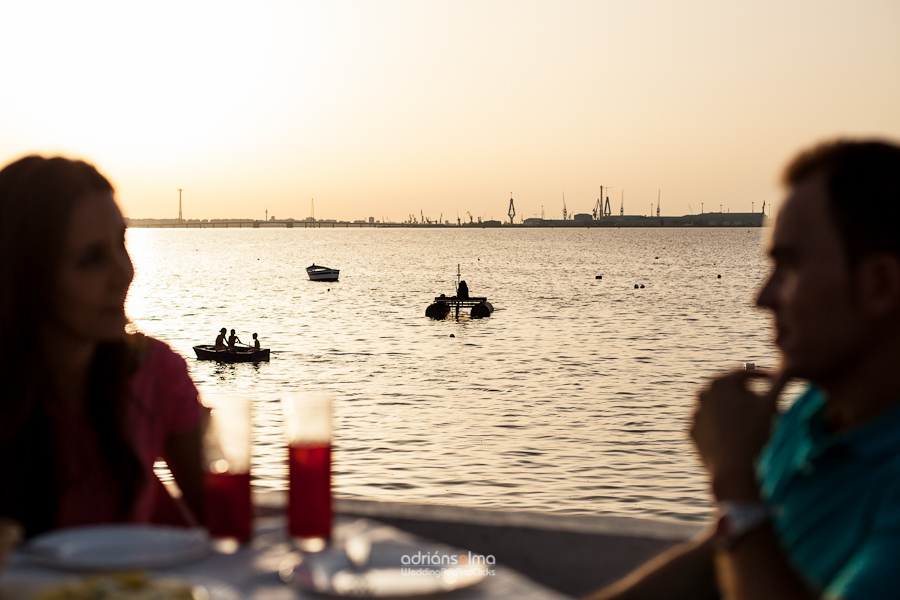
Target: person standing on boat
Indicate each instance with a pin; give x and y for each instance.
(233, 341)
(808, 499)
(462, 292)
(221, 344)
(85, 408)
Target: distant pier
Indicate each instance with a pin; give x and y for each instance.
(719, 219)
(712, 219)
(252, 224)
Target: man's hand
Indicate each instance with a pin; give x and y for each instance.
(731, 424)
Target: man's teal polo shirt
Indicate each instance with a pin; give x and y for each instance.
(835, 499)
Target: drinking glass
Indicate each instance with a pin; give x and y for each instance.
(229, 512)
(307, 420)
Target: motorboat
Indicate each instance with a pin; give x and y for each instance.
(232, 355)
(320, 273)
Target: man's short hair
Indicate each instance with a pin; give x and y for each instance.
(863, 183)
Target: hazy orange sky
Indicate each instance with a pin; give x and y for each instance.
(385, 108)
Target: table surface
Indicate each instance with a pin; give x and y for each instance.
(252, 571)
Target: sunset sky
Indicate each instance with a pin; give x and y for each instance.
(387, 108)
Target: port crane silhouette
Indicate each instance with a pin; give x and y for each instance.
(603, 209)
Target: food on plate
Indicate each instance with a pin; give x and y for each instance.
(10, 536)
(124, 586)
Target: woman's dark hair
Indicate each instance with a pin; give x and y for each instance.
(863, 183)
(37, 196)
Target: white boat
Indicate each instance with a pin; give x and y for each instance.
(320, 273)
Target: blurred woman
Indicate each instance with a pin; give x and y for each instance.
(85, 408)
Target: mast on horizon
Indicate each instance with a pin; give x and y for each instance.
(622, 205)
(565, 214)
(512, 209)
(658, 192)
(312, 209)
(179, 205)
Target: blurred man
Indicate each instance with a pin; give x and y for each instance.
(809, 507)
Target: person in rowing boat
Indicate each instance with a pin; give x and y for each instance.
(233, 341)
(86, 408)
(221, 344)
(254, 347)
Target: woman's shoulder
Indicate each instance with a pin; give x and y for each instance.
(163, 377)
(165, 397)
(155, 355)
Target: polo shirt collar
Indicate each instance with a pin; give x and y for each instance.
(877, 437)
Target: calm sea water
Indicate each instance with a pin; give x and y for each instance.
(573, 397)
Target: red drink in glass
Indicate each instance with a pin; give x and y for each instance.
(229, 512)
(307, 421)
(309, 496)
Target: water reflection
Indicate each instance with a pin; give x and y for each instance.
(230, 372)
(572, 397)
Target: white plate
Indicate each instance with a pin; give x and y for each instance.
(385, 576)
(112, 547)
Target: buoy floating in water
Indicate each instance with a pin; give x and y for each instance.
(437, 310)
(599, 277)
(718, 277)
(642, 286)
(635, 286)
(482, 309)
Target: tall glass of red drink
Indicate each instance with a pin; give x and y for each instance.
(307, 419)
(229, 511)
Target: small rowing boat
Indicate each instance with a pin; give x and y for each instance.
(320, 273)
(230, 355)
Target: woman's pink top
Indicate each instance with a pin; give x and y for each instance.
(164, 402)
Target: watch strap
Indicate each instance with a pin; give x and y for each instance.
(737, 519)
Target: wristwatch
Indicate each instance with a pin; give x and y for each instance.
(737, 519)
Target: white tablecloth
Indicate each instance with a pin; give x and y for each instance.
(252, 572)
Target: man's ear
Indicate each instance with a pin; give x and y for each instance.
(879, 283)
